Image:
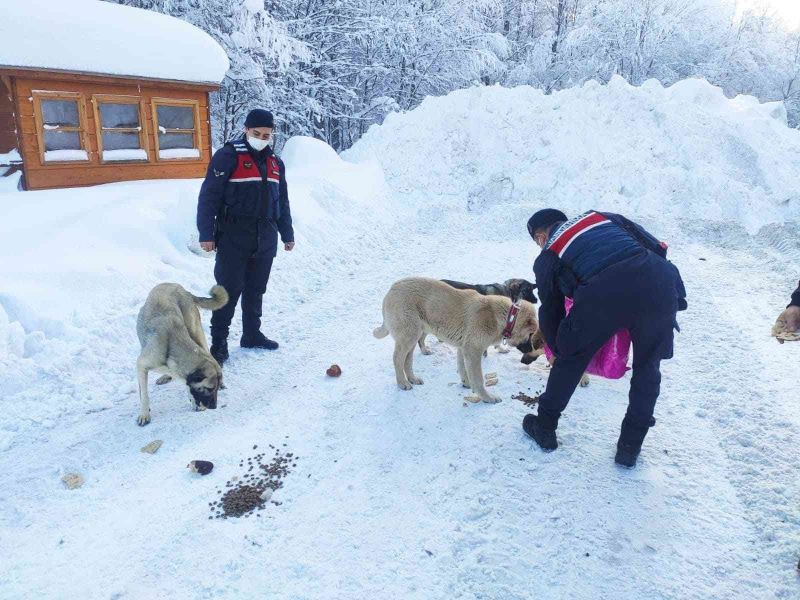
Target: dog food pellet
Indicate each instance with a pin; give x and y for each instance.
(334, 371)
(72, 480)
(152, 447)
(203, 467)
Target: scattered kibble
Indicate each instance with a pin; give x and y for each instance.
(254, 490)
(529, 401)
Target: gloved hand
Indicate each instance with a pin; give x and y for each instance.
(788, 324)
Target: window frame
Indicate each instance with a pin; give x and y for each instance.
(78, 98)
(97, 100)
(195, 105)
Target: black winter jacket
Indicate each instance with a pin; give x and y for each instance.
(242, 182)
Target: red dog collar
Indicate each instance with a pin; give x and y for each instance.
(511, 320)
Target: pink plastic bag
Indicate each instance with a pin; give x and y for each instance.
(611, 361)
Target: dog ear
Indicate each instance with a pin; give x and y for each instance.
(195, 376)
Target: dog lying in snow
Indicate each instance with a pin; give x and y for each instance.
(514, 289)
(173, 342)
(465, 319)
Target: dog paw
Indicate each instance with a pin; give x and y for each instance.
(415, 380)
(491, 399)
(143, 420)
(426, 351)
(503, 349)
(465, 383)
(585, 381)
(405, 386)
(163, 379)
(199, 407)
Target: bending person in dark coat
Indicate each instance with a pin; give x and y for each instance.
(619, 278)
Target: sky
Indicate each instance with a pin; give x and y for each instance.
(786, 10)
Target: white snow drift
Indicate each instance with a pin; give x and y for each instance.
(683, 152)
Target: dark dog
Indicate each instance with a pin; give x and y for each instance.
(515, 289)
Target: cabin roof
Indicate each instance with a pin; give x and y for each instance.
(90, 36)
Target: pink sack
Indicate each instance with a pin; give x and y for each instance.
(611, 361)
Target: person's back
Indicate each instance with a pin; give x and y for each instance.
(590, 243)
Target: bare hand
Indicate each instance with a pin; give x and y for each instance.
(208, 246)
(288, 246)
(788, 322)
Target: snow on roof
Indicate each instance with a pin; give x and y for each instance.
(99, 37)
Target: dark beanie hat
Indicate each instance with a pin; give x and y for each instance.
(258, 117)
(545, 218)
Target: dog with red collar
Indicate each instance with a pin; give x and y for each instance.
(465, 319)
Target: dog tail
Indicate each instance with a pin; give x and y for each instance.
(380, 332)
(219, 298)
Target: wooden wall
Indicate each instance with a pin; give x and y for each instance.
(8, 134)
(41, 176)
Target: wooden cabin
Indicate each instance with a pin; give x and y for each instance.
(125, 99)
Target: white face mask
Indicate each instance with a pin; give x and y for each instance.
(257, 144)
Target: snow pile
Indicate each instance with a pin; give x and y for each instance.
(76, 265)
(101, 37)
(683, 152)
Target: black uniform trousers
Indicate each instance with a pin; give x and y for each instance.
(638, 294)
(245, 252)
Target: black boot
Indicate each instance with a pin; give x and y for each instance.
(630, 441)
(258, 340)
(627, 454)
(546, 438)
(219, 350)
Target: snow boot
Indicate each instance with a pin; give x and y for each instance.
(627, 454)
(258, 340)
(219, 350)
(630, 441)
(546, 438)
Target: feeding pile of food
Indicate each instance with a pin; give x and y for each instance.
(251, 493)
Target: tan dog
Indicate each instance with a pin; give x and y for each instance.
(173, 343)
(465, 319)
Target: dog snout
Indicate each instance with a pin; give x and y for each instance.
(205, 398)
(212, 401)
(526, 346)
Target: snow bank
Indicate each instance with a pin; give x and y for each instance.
(100, 37)
(683, 152)
(76, 265)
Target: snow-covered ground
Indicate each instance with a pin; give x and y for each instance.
(415, 494)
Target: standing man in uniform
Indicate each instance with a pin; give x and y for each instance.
(243, 206)
(618, 277)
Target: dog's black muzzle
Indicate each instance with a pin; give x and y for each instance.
(526, 346)
(207, 398)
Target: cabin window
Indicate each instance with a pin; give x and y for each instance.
(120, 132)
(177, 125)
(60, 124)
